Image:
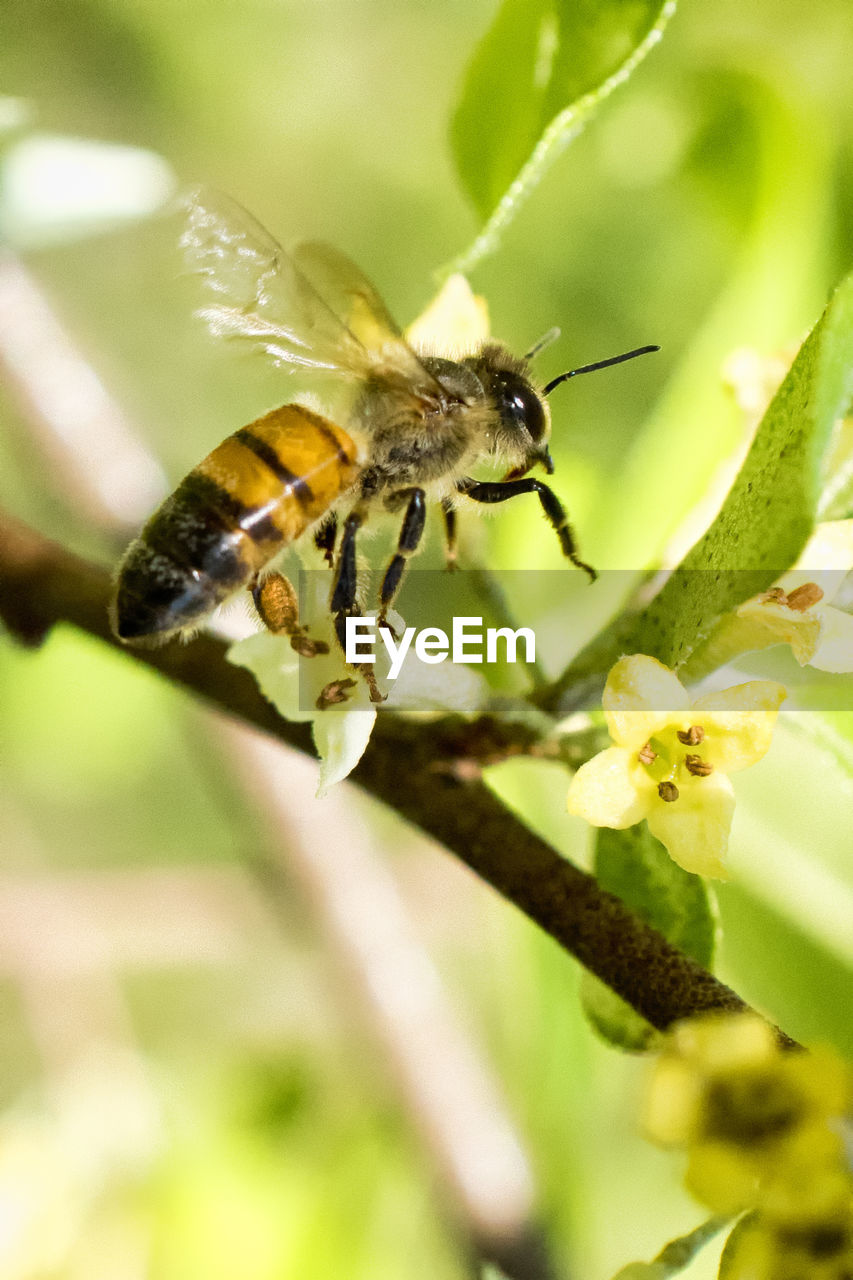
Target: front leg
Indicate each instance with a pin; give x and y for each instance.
(411, 533)
(502, 490)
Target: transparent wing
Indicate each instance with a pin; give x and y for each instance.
(357, 304)
(317, 312)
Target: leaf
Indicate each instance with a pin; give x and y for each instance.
(675, 1256)
(764, 522)
(540, 73)
(771, 508)
(635, 867)
(740, 1236)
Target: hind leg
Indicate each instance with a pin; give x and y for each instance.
(278, 608)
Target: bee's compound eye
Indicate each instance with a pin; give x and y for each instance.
(520, 406)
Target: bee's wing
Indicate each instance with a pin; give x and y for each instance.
(267, 297)
(358, 306)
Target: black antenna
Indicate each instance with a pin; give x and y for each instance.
(545, 341)
(599, 364)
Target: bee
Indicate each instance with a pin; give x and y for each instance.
(415, 427)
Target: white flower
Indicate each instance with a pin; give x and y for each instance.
(671, 757)
(797, 610)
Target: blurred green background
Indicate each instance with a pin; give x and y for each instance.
(185, 1087)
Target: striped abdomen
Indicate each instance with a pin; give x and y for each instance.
(259, 490)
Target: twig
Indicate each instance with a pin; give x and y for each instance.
(41, 584)
(70, 415)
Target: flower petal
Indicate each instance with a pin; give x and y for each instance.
(640, 697)
(610, 790)
(825, 559)
(446, 688)
(739, 723)
(276, 668)
(782, 625)
(834, 649)
(456, 322)
(695, 827)
(341, 734)
(721, 1177)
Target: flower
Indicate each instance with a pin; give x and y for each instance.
(760, 1250)
(671, 758)
(797, 610)
(454, 324)
(756, 1120)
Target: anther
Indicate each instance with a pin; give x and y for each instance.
(646, 756)
(804, 597)
(335, 692)
(691, 737)
(774, 596)
(698, 767)
(668, 791)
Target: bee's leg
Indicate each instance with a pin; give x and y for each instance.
(502, 490)
(450, 535)
(325, 538)
(345, 605)
(278, 609)
(408, 542)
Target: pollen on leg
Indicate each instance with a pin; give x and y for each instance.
(278, 608)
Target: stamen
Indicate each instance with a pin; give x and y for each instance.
(668, 791)
(335, 692)
(804, 597)
(774, 596)
(647, 755)
(698, 767)
(692, 736)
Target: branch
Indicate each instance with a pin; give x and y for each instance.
(405, 766)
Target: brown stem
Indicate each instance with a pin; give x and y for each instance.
(405, 766)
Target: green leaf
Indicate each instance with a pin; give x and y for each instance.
(764, 522)
(771, 509)
(675, 1256)
(731, 1248)
(540, 73)
(635, 867)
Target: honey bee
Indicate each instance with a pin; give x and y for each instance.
(416, 426)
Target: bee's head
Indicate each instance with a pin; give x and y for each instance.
(522, 418)
(522, 421)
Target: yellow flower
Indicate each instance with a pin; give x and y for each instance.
(797, 611)
(820, 1249)
(672, 757)
(455, 323)
(755, 1119)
